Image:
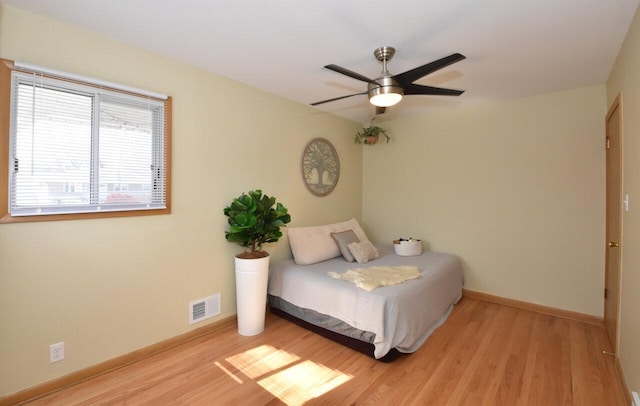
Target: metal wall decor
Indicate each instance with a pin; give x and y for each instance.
(320, 167)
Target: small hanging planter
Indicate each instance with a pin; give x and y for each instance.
(370, 135)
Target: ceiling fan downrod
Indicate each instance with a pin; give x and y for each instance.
(386, 91)
(384, 55)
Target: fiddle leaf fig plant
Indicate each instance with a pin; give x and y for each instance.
(255, 219)
(370, 135)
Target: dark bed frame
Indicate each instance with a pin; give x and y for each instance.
(353, 343)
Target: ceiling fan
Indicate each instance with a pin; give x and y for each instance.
(387, 90)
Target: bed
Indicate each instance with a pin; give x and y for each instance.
(383, 322)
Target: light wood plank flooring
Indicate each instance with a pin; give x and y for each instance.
(485, 354)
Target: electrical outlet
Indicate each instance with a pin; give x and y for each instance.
(56, 352)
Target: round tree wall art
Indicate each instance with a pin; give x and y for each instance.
(320, 167)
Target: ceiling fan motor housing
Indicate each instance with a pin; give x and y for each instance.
(381, 91)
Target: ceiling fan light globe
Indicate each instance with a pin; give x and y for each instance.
(385, 92)
(385, 99)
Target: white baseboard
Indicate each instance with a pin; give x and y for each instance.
(636, 398)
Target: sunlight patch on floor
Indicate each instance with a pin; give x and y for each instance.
(262, 360)
(229, 373)
(302, 382)
(283, 374)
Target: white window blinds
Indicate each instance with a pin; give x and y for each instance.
(79, 148)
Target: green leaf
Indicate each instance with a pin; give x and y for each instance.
(253, 220)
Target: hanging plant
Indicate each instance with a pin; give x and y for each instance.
(370, 135)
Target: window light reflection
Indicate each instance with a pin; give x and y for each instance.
(302, 382)
(259, 361)
(283, 375)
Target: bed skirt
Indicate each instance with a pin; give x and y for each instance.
(329, 327)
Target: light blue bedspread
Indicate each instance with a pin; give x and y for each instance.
(401, 316)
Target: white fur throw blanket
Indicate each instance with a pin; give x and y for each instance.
(376, 276)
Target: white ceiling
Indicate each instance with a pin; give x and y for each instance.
(514, 48)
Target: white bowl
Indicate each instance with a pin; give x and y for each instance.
(407, 248)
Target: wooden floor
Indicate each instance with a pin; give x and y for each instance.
(485, 354)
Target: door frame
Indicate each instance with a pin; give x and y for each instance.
(616, 106)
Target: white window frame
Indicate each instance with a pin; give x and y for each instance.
(160, 183)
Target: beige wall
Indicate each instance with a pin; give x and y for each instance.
(110, 286)
(515, 188)
(625, 79)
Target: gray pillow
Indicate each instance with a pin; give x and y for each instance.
(343, 239)
(363, 251)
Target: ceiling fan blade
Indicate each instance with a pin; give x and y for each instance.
(350, 73)
(380, 110)
(429, 90)
(412, 75)
(338, 98)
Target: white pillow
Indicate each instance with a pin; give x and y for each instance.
(311, 245)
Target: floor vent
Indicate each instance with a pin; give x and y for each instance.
(203, 309)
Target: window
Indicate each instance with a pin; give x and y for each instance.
(80, 148)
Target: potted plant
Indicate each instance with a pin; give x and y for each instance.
(253, 221)
(370, 135)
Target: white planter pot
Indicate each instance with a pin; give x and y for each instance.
(251, 294)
